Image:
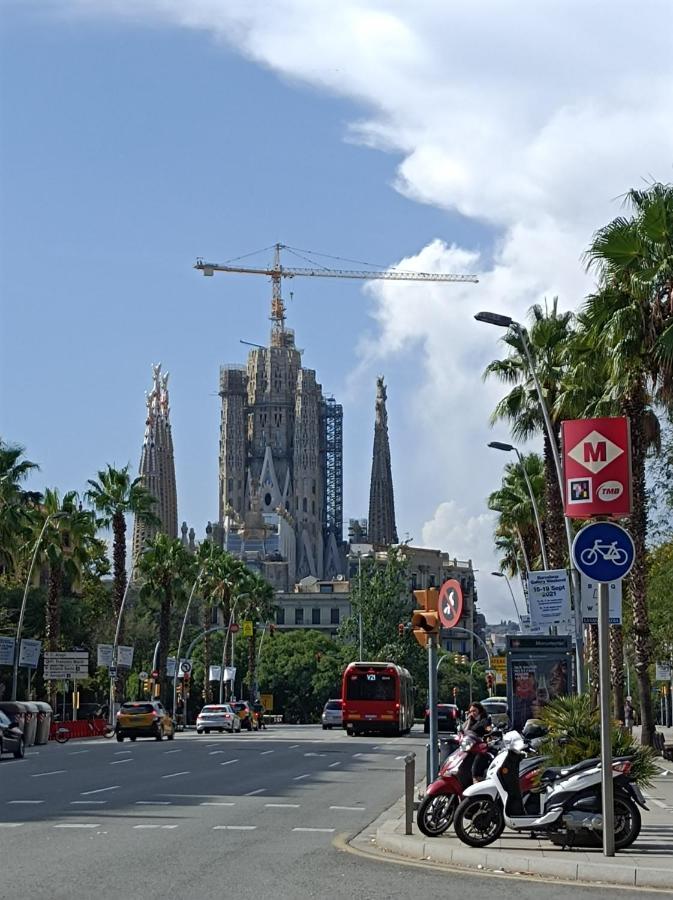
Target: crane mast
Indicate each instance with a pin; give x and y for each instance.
(277, 272)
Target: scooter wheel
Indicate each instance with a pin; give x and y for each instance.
(627, 822)
(435, 814)
(479, 821)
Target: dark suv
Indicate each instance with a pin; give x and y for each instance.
(448, 718)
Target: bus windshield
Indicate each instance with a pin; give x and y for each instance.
(370, 686)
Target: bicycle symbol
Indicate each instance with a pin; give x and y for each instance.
(610, 552)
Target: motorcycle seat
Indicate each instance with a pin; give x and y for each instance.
(553, 773)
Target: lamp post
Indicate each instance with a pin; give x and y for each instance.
(360, 557)
(113, 661)
(19, 627)
(498, 445)
(182, 634)
(507, 322)
(509, 585)
(224, 645)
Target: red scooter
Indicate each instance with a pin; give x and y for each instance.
(436, 811)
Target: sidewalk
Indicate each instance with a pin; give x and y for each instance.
(648, 863)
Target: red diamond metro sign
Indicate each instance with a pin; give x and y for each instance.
(596, 467)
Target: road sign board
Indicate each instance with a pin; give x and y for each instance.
(589, 594)
(247, 629)
(124, 657)
(548, 598)
(29, 653)
(6, 651)
(662, 671)
(234, 628)
(59, 665)
(603, 552)
(499, 664)
(450, 603)
(104, 655)
(142, 675)
(185, 666)
(596, 467)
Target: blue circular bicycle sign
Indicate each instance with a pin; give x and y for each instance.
(604, 551)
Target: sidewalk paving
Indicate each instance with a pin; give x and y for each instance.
(648, 863)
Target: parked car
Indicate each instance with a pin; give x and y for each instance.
(217, 717)
(448, 718)
(496, 707)
(11, 737)
(244, 713)
(144, 718)
(332, 714)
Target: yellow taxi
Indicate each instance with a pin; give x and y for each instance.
(144, 718)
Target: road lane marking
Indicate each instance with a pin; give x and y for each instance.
(228, 762)
(153, 803)
(299, 777)
(148, 827)
(172, 751)
(194, 796)
(175, 774)
(293, 747)
(326, 830)
(315, 754)
(11, 824)
(282, 805)
(258, 791)
(87, 802)
(114, 787)
(215, 752)
(332, 765)
(216, 803)
(122, 752)
(78, 825)
(350, 808)
(118, 762)
(26, 802)
(266, 752)
(234, 827)
(77, 752)
(43, 774)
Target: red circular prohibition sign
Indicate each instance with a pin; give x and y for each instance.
(450, 603)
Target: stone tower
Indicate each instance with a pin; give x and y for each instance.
(382, 529)
(279, 460)
(157, 465)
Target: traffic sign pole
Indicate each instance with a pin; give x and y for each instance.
(432, 712)
(607, 787)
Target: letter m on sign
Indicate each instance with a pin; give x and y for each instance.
(595, 452)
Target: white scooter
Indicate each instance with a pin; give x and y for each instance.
(566, 806)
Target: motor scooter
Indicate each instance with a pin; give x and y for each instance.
(565, 805)
(441, 799)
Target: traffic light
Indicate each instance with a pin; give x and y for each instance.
(455, 693)
(490, 681)
(456, 658)
(146, 685)
(464, 659)
(425, 621)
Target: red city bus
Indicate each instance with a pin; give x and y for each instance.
(377, 696)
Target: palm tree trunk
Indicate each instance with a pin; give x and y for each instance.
(593, 663)
(251, 665)
(554, 527)
(642, 645)
(118, 567)
(53, 622)
(617, 670)
(164, 638)
(207, 622)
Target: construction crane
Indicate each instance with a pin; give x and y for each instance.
(277, 272)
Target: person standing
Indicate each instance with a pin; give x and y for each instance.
(628, 715)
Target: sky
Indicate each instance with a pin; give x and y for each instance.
(488, 138)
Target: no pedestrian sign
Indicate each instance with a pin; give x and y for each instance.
(596, 467)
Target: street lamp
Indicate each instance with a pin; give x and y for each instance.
(518, 614)
(226, 638)
(113, 661)
(507, 322)
(19, 627)
(182, 634)
(360, 557)
(498, 445)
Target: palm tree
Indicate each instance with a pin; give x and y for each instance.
(630, 320)
(116, 495)
(512, 502)
(16, 506)
(258, 606)
(167, 571)
(548, 335)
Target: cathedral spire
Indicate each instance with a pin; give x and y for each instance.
(382, 530)
(157, 465)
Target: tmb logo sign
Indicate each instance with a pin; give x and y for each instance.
(597, 467)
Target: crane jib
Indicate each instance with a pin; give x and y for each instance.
(284, 272)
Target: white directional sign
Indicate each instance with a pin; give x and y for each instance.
(589, 593)
(29, 654)
(61, 665)
(6, 651)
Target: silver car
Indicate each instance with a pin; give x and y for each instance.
(332, 714)
(217, 717)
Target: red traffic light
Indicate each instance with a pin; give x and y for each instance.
(155, 674)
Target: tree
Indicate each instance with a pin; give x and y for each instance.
(629, 319)
(16, 507)
(258, 606)
(168, 571)
(513, 504)
(548, 336)
(116, 495)
(659, 594)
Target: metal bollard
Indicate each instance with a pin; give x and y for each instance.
(409, 779)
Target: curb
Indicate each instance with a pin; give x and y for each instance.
(497, 861)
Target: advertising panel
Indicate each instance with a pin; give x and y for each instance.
(548, 598)
(29, 653)
(539, 670)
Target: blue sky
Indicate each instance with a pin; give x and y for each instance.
(135, 137)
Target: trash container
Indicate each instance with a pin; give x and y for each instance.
(30, 726)
(44, 713)
(15, 711)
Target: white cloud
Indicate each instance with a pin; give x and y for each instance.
(532, 118)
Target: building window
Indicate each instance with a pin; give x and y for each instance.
(304, 505)
(432, 581)
(334, 615)
(299, 616)
(280, 616)
(315, 616)
(313, 506)
(414, 581)
(326, 588)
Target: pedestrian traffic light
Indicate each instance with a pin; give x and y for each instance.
(425, 621)
(455, 693)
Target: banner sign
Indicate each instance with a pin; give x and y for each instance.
(596, 467)
(230, 673)
(6, 651)
(548, 598)
(539, 670)
(104, 656)
(589, 593)
(29, 653)
(59, 666)
(214, 673)
(247, 629)
(124, 657)
(499, 666)
(663, 671)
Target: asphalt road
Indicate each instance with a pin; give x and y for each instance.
(202, 817)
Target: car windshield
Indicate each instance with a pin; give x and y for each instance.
(333, 704)
(137, 708)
